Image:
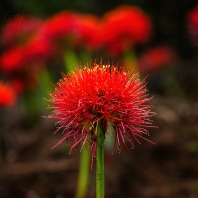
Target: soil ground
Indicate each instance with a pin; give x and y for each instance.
(31, 169)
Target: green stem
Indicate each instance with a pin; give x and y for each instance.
(100, 163)
(83, 173)
(70, 60)
(85, 57)
(45, 79)
(130, 61)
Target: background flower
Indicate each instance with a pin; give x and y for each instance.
(19, 30)
(192, 23)
(7, 94)
(12, 60)
(89, 32)
(59, 27)
(125, 27)
(155, 58)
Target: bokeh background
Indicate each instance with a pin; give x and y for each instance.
(40, 39)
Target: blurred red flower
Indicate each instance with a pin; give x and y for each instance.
(35, 51)
(38, 49)
(7, 94)
(59, 26)
(124, 27)
(156, 58)
(103, 93)
(88, 30)
(12, 60)
(20, 29)
(192, 24)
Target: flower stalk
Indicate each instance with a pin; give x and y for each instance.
(130, 61)
(100, 162)
(69, 60)
(83, 173)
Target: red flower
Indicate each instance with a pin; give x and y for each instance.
(12, 60)
(124, 27)
(192, 19)
(89, 30)
(59, 26)
(7, 95)
(38, 49)
(36, 52)
(102, 93)
(19, 29)
(156, 58)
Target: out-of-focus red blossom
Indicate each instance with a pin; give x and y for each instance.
(89, 31)
(12, 60)
(7, 95)
(156, 58)
(38, 49)
(192, 23)
(104, 94)
(19, 30)
(59, 26)
(125, 26)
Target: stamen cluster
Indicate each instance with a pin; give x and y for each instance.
(101, 94)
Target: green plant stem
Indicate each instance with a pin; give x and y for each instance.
(130, 61)
(70, 60)
(44, 86)
(100, 163)
(83, 173)
(85, 57)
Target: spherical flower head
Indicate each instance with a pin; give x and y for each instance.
(192, 24)
(101, 94)
(7, 94)
(124, 27)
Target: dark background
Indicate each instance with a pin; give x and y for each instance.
(168, 169)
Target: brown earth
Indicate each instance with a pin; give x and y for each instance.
(31, 169)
